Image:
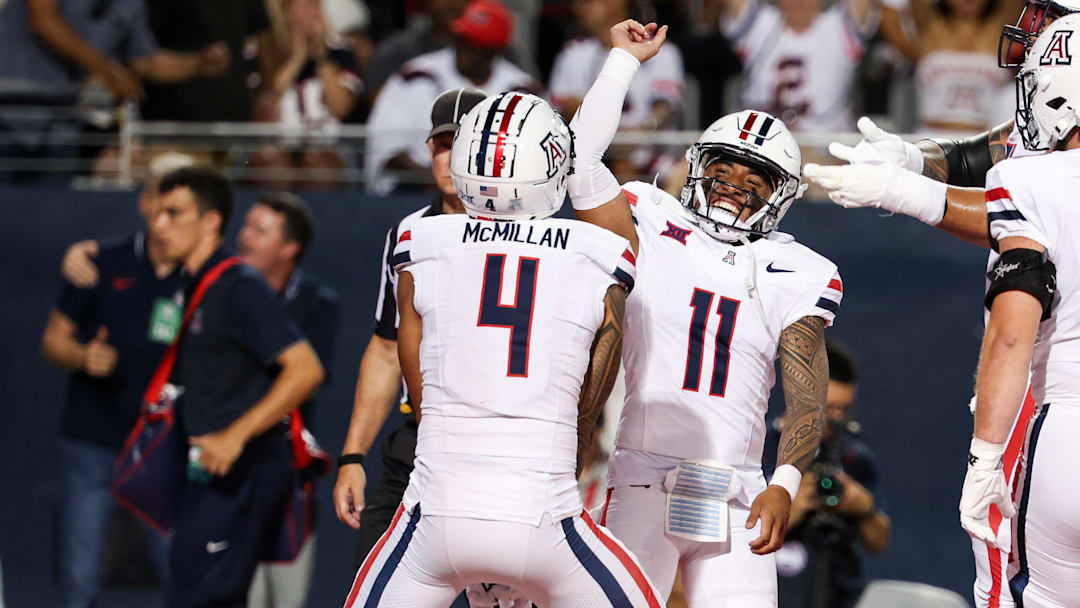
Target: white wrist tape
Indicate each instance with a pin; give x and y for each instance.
(788, 477)
(594, 126)
(918, 196)
(984, 455)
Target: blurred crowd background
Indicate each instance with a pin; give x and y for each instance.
(335, 93)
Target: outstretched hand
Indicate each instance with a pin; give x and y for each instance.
(641, 41)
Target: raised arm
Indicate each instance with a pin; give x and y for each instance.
(805, 371)
(603, 368)
(594, 191)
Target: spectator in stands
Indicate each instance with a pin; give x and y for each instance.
(958, 83)
(243, 26)
(799, 60)
(653, 101)
(835, 509)
(313, 90)
(52, 49)
(400, 114)
(350, 20)
(421, 37)
(110, 335)
(277, 231)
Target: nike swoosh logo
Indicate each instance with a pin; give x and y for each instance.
(212, 547)
(770, 268)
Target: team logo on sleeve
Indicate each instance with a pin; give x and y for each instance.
(554, 152)
(1058, 53)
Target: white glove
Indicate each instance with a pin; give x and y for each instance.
(879, 146)
(984, 485)
(884, 186)
(495, 595)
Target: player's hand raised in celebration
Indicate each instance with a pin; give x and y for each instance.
(772, 507)
(641, 41)
(879, 146)
(349, 494)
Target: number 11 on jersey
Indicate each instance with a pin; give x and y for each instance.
(516, 317)
(728, 310)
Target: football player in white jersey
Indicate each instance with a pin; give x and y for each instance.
(1034, 327)
(510, 334)
(720, 294)
(941, 182)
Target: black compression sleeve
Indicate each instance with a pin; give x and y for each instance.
(968, 160)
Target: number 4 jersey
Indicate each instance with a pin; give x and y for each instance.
(699, 355)
(509, 311)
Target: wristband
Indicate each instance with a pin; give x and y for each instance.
(345, 459)
(788, 477)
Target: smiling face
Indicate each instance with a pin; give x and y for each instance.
(730, 199)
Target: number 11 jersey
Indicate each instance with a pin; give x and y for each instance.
(699, 355)
(509, 311)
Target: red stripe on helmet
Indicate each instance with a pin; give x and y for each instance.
(507, 114)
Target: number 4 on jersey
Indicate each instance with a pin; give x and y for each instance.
(728, 310)
(516, 317)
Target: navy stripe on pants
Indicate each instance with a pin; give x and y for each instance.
(392, 562)
(594, 566)
(1018, 582)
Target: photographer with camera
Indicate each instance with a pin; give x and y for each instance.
(835, 508)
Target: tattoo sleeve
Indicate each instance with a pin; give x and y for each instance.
(805, 371)
(935, 166)
(965, 162)
(998, 142)
(603, 368)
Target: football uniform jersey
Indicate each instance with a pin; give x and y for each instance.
(1022, 202)
(510, 311)
(803, 78)
(699, 356)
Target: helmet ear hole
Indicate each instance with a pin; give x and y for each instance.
(1056, 103)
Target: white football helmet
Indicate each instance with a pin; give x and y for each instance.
(511, 158)
(760, 142)
(1048, 86)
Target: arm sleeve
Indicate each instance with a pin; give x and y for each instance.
(1010, 211)
(386, 319)
(594, 126)
(262, 325)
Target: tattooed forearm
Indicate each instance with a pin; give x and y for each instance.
(603, 368)
(935, 166)
(998, 141)
(805, 370)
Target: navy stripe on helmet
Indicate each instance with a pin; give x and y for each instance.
(764, 130)
(482, 152)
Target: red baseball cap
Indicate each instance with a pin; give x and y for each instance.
(485, 24)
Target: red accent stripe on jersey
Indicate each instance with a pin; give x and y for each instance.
(1009, 461)
(625, 559)
(997, 194)
(371, 558)
(629, 257)
(405, 236)
(745, 131)
(607, 503)
(837, 285)
(630, 197)
(508, 113)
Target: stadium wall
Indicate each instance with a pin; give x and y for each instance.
(912, 311)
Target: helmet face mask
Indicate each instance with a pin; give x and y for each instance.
(732, 211)
(1048, 89)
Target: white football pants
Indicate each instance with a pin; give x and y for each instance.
(425, 561)
(715, 575)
